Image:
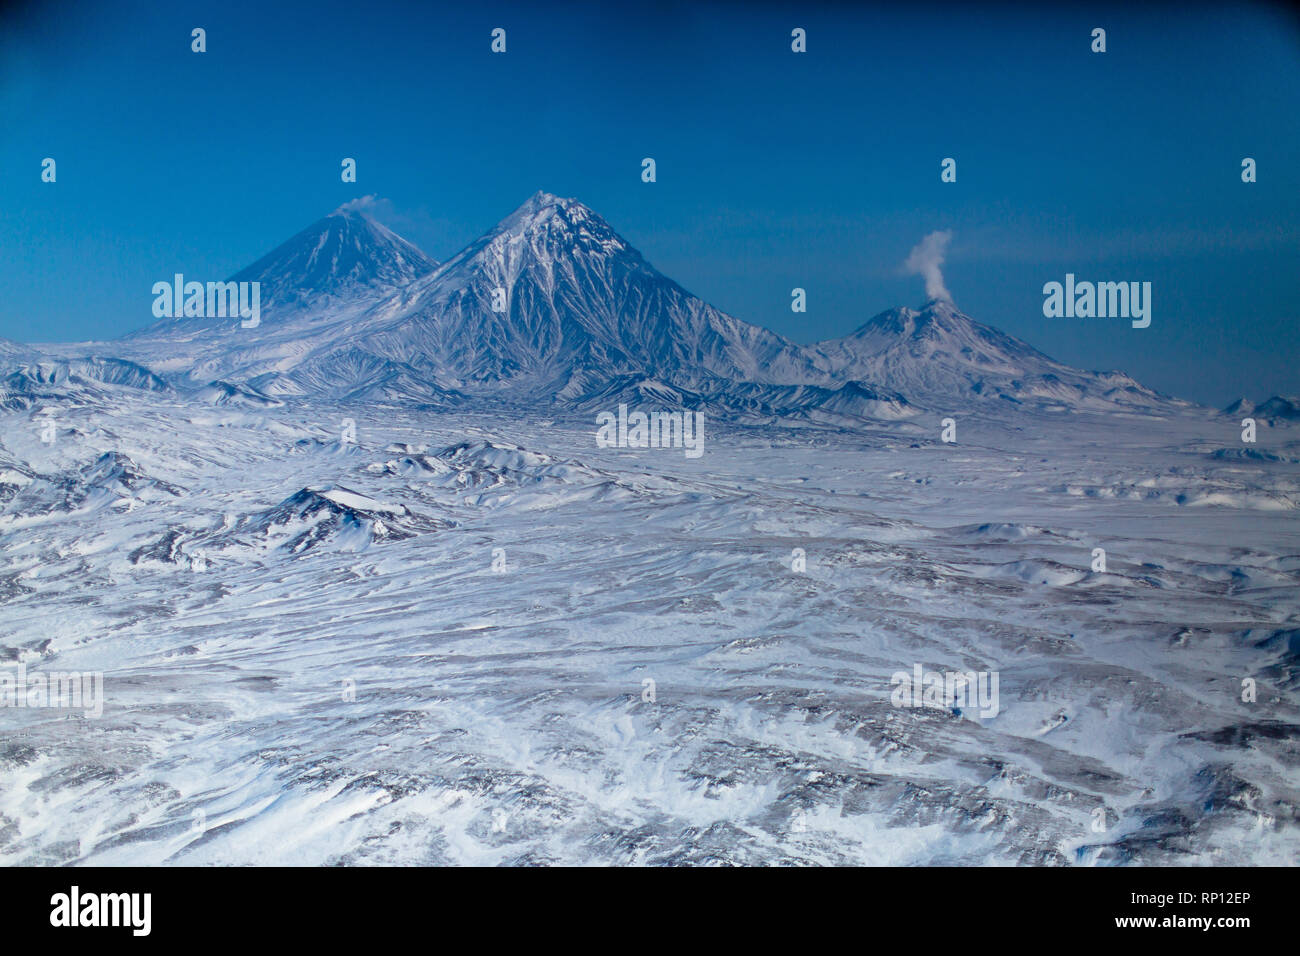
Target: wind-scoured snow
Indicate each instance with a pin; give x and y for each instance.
(364, 588)
(308, 656)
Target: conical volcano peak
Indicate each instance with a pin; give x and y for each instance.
(941, 351)
(937, 321)
(542, 199)
(941, 312)
(898, 321)
(547, 228)
(544, 211)
(552, 294)
(345, 253)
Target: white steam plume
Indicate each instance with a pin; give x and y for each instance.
(926, 259)
(360, 204)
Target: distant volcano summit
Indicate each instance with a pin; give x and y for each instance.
(552, 304)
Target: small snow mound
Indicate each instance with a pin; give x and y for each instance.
(1047, 573)
(411, 466)
(360, 502)
(1001, 531)
(312, 516)
(242, 396)
(492, 455)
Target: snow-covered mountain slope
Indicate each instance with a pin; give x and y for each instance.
(51, 379)
(313, 288)
(846, 404)
(941, 355)
(112, 480)
(575, 297)
(336, 263)
(345, 256)
(226, 393)
(10, 350)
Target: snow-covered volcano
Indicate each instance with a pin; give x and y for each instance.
(313, 289)
(553, 294)
(343, 257)
(337, 263)
(553, 305)
(940, 354)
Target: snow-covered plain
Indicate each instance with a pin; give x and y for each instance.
(364, 587)
(309, 657)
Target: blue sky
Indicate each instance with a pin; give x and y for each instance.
(775, 170)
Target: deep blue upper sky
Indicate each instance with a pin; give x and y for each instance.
(775, 170)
